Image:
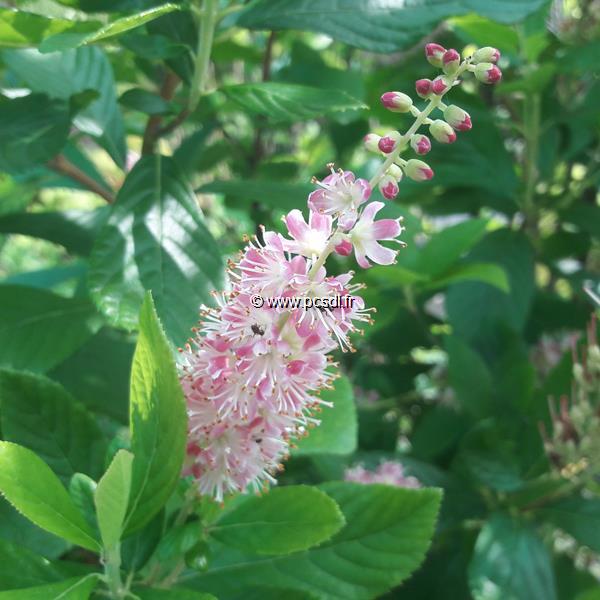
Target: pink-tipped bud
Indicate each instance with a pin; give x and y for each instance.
(439, 85)
(423, 87)
(388, 187)
(396, 101)
(420, 143)
(371, 141)
(442, 132)
(488, 73)
(395, 171)
(457, 118)
(451, 61)
(344, 248)
(418, 170)
(389, 142)
(487, 54)
(434, 54)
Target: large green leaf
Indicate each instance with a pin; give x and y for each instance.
(338, 431)
(155, 239)
(29, 484)
(63, 74)
(37, 413)
(510, 563)
(374, 25)
(39, 329)
(285, 520)
(489, 273)
(286, 102)
(77, 588)
(34, 129)
(158, 421)
(73, 229)
(172, 594)
(112, 497)
(387, 533)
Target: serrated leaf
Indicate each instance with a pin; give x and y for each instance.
(155, 239)
(387, 533)
(489, 273)
(34, 129)
(158, 421)
(146, 102)
(112, 497)
(39, 329)
(29, 484)
(63, 74)
(77, 588)
(284, 520)
(41, 415)
(286, 102)
(338, 431)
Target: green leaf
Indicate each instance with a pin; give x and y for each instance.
(81, 490)
(285, 520)
(387, 533)
(172, 594)
(77, 588)
(29, 484)
(510, 563)
(146, 102)
(579, 517)
(112, 497)
(39, 329)
(34, 129)
(338, 431)
(37, 413)
(73, 229)
(155, 239)
(73, 39)
(446, 247)
(489, 273)
(63, 74)
(158, 421)
(375, 26)
(51, 279)
(286, 102)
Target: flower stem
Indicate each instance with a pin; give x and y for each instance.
(112, 572)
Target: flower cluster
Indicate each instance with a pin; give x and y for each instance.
(482, 63)
(573, 446)
(388, 472)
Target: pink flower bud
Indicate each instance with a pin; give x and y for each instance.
(344, 248)
(451, 60)
(434, 54)
(395, 171)
(396, 101)
(439, 85)
(487, 54)
(389, 142)
(371, 141)
(488, 73)
(457, 118)
(388, 187)
(442, 132)
(421, 144)
(423, 87)
(418, 170)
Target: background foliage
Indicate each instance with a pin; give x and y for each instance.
(129, 165)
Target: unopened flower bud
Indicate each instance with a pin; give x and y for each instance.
(434, 54)
(344, 248)
(451, 60)
(420, 143)
(488, 73)
(371, 141)
(439, 85)
(442, 132)
(389, 142)
(423, 87)
(457, 118)
(388, 187)
(418, 170)
(395, 171)
(396, 101)
(487, 54)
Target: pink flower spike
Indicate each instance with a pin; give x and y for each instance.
(439, 85)
(421, 144)
(309, 239)
(367, 232)
(388, 143)
(423, 87)
(396, 101)
(388, 187)
(434, 54)
(344, 248)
